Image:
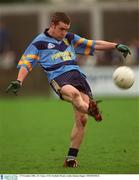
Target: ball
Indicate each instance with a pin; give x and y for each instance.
(123, 77)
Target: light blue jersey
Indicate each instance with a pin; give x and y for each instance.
(56, 57)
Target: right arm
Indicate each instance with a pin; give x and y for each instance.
(22, 75)
(25, 65)
(14, 86)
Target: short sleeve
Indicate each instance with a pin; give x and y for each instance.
(83, 46)
(30, 58)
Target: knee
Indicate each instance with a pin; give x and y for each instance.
(75, 94)
(82, 120)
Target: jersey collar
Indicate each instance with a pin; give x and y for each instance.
(47, 34)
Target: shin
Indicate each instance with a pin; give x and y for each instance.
(78, 130)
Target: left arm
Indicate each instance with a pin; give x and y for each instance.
(104, 45)
(87, 47)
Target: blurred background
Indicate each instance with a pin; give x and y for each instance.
(22, 20)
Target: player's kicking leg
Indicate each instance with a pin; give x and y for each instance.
(73, 95)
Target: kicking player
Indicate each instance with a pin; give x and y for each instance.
(55, 50)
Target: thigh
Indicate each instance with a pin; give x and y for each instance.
(68, 91)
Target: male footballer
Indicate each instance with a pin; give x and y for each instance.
(55, 50)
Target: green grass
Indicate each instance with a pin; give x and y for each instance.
(35, 136)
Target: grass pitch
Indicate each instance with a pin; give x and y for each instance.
(35, 137)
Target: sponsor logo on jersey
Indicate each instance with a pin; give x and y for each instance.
(65, 56)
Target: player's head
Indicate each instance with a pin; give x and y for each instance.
(59, 24)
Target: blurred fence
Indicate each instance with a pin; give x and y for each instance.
(112, 21)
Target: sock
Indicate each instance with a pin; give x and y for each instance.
(72, 153)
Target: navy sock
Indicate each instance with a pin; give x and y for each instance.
(72, 152)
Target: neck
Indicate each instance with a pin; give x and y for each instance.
(50, 32)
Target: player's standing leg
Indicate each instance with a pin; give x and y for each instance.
(77, 134)
(83, 105)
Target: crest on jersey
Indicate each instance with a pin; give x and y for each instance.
(66, 42)
(50, 45)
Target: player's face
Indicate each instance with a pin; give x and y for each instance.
(60, 30)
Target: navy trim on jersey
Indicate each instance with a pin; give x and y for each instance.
(56, 66)
(43, 45)
(70, 37)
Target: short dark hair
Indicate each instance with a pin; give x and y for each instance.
(60, 16)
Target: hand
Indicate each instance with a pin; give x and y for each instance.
(123, 49)
(14, 87)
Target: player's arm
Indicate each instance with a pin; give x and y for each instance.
(105, 45)
(25, 65)
(23, 72)
(87, 47)
(14, 86)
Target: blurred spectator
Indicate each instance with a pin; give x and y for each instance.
(131, 60)
(117, 58)
(100, 60)
(107, 58)
(7, 56)
(81, 60)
